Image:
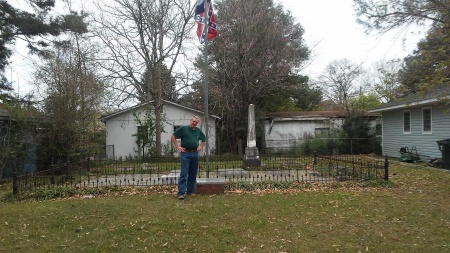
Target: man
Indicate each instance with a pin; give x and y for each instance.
(190, 136)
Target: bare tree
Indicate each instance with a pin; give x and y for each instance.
(72, 96)
(143, 41)
(385, 15)
(386, 79)
(429, 65)
(341, 81)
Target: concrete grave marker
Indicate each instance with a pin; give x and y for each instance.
(251, 151)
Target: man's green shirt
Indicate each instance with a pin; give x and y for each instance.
(189, 138)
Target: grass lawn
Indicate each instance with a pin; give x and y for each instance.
(411, 216)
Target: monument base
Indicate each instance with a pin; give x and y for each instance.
(252, 157)
(252, 162)
(251, 152)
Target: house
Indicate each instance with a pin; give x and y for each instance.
(284, 129)
(9, 133)
(121, 128)
(419, 121)
(4, 114)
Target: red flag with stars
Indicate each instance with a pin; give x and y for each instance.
(200, 20)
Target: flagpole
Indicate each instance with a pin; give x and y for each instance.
(205, 32)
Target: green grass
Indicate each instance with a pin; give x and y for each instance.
(410, 214)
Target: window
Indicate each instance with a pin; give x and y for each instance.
(406, 122)
(322, 132)
(175, 128)
(426, 120)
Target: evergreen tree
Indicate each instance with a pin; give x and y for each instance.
(21, 24)
(253, 61)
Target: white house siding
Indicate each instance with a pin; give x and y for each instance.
(176, 116)
(394, 138)
(119, 130)
(121, 127)
(284, 133)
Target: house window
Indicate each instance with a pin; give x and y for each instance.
(175, 128)
(426, 120)
(406, 122)
(322, 132)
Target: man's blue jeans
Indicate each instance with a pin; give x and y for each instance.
(188, 174)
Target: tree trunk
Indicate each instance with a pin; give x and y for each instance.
(158, 101)
(158, 106)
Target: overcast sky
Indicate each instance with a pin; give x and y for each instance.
(331, 32)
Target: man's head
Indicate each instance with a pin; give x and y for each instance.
(193, 122)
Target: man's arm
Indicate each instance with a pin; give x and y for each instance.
(175, 142)
(201, 145)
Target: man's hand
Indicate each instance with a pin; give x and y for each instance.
(201, 146)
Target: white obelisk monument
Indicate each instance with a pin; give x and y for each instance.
(251, 151)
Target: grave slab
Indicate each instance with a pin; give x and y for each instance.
(239, 172)
(210, 185)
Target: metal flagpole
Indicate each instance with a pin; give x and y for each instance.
(205, 32)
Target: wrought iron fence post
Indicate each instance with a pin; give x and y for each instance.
(351, 146)
(15, 183)
(386, 168)
(52, 179)
(374, 141)
(66, 177)
(88, 170)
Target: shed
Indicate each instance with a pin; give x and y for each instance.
(121, 127)
(284, 129)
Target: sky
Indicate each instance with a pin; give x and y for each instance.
(331, 32)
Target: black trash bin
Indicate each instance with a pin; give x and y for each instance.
(444, 147)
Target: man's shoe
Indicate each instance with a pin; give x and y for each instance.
(181, 197)
(193, 194)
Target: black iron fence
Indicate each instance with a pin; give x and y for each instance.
(165, 171)
(329, 145)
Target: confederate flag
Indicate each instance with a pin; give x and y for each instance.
(199, 18)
